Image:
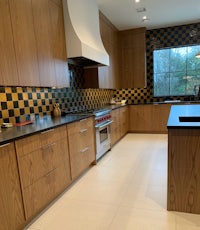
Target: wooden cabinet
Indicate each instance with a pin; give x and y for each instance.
(105, 76)
(115, 132)
(11, 208)
(34, 52)
(24, 42)
(44, 168)
(133, 58)
(149, 118)
(81, 145)
(119, 127)
(123, 112)
(8, 65)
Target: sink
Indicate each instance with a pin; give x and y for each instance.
(189, 119)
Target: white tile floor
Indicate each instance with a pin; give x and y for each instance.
(126, 190)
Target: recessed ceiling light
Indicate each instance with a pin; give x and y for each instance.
(145, 19)
(137, 1)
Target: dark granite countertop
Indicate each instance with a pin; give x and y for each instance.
(186, 112)
(41, 124)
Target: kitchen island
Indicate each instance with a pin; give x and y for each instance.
(184, 159)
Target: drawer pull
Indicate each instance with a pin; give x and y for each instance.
(1, 146)
(83, 130)
(83, 120)
(84, 150)
(48, 146)
(47, 131)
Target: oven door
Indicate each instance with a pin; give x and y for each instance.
(103, 142)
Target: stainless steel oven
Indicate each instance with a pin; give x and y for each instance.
(102, 125)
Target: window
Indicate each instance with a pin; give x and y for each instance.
(176, 71)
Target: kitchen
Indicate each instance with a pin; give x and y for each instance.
(28, 92)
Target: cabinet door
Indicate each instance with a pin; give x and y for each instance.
(11, 208)
(133, 58)
(59, 45)
(123, 121)
(25, 42)
(43, 34)
(115, 126)
(8, 66)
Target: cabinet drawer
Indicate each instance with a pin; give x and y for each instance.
(80, 140)
(34, 142)
(38, 163)
(39, 194)
(80, 126)
(81, 160)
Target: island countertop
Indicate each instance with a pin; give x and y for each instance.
(184, 116)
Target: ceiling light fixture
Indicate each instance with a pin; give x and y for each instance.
(137, 1)
(145, 19)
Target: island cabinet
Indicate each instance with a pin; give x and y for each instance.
(149, 118)
(106, 77)
(81, 145)
(34, 52)
(119, 126)
(132, 58)
(11, 208)
(44, 168)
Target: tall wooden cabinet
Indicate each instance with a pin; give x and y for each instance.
(33, 51)
(11, 208)
(8, 65)
(44, 168)
(106, 77)
(133, 58)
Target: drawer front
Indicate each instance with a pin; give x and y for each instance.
(79, 141)
(42, 192)
(80, 126)
(34, 142)
(82, 160)
(40, 162)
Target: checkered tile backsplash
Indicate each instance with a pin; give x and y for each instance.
(17, 102)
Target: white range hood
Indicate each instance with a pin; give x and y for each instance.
(82, 32)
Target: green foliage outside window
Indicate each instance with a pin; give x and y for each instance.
(176, 71)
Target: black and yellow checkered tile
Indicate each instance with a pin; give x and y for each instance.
(18, 102)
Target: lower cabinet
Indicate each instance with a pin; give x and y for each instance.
(44, 168)
(120, 124)
(11, 208)
(81, 145)
(149, 118)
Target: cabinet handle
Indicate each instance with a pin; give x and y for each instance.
(83, 120)
(47, 131)
(84, 150)
(1, 146)
(48, 146)
(83, 130)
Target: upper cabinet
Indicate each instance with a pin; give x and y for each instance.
(34, 50)
(133, 58)
(105, 76)
(8, 65)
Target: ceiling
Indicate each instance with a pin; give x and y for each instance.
(161, 13)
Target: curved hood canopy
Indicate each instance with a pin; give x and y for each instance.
(83, 39)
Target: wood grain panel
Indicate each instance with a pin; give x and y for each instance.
(8, 65)
(25, 42)
(43, 34)
(11, 208)
(59, 45)
(184, 170)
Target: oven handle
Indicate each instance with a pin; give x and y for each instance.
(99, 126)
